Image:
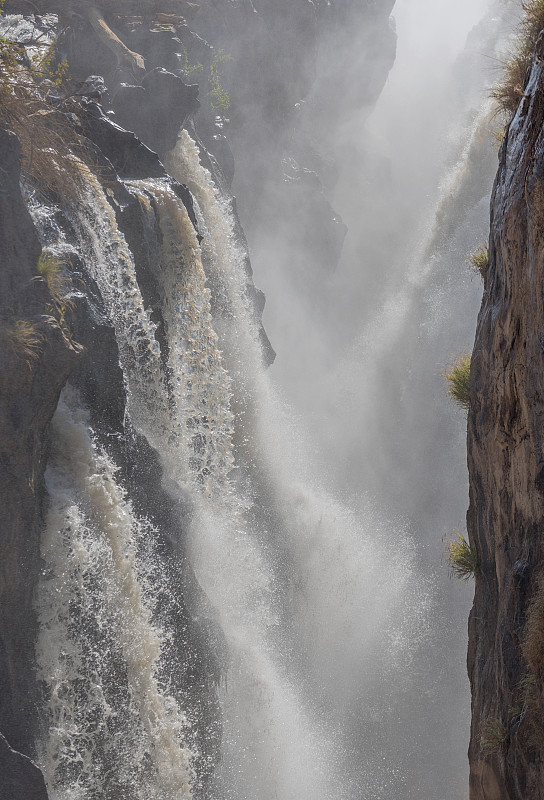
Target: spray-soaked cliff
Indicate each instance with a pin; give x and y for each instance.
(505, 449)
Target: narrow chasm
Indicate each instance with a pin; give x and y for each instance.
(224, 559)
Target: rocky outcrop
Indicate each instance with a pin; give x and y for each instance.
(506, 464)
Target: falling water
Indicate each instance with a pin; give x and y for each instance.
(330, 563)
(323, 603)
(113, 730)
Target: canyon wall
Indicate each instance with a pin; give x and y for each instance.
(506, 465)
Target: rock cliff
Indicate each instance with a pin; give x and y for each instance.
(506, 465)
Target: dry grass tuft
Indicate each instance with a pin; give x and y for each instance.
(494, 737)
(21, 340)
(31, 105)
(462, 558)
(479, 259)
(509, 91)
(59, 283)
(458, 379)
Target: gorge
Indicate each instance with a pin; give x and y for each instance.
(222, 521)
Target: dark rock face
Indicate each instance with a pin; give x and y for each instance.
(142, 108)
(128, 155)
(20, 779)
(506, 464)
(31, 378)
(20, 244)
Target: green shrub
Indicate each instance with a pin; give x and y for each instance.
(494, 737)
(218, 98)
(480, 259)
(188, 68)
(462, 558)
(509, 91)
(458, 379)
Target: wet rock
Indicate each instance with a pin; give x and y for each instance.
(158, 109)
(20, 778)
(20, 244)
(35, 360)
(131, 158)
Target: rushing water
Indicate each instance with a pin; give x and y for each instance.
(327, 608)
(113, 730)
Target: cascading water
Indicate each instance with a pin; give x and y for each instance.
(322, 600)
(287, 570)
(113, 730)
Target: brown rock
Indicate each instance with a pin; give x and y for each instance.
(506, 465)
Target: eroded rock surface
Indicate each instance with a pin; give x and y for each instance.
(506, 463)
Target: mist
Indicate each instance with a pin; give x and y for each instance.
(362, 352)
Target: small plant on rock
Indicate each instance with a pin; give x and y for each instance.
(188, 68)
(59, 283)
(480, 259)
(218, 98)
(458, 380)
(462, 558)
(21, 340)
(509, 91)
(494, 737)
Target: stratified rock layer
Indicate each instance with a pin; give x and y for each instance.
(506, 463)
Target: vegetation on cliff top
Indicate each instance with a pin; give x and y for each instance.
(31, 97)
(509, 91)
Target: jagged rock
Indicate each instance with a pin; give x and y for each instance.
(506, 465)
(158, 109)
(130, 157)
(20, 778)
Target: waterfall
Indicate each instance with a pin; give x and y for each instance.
(329, 562)
(287, 568)
(113, 729)
(317, 579)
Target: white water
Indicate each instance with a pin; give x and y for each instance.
(98, 650)
(323, 601)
